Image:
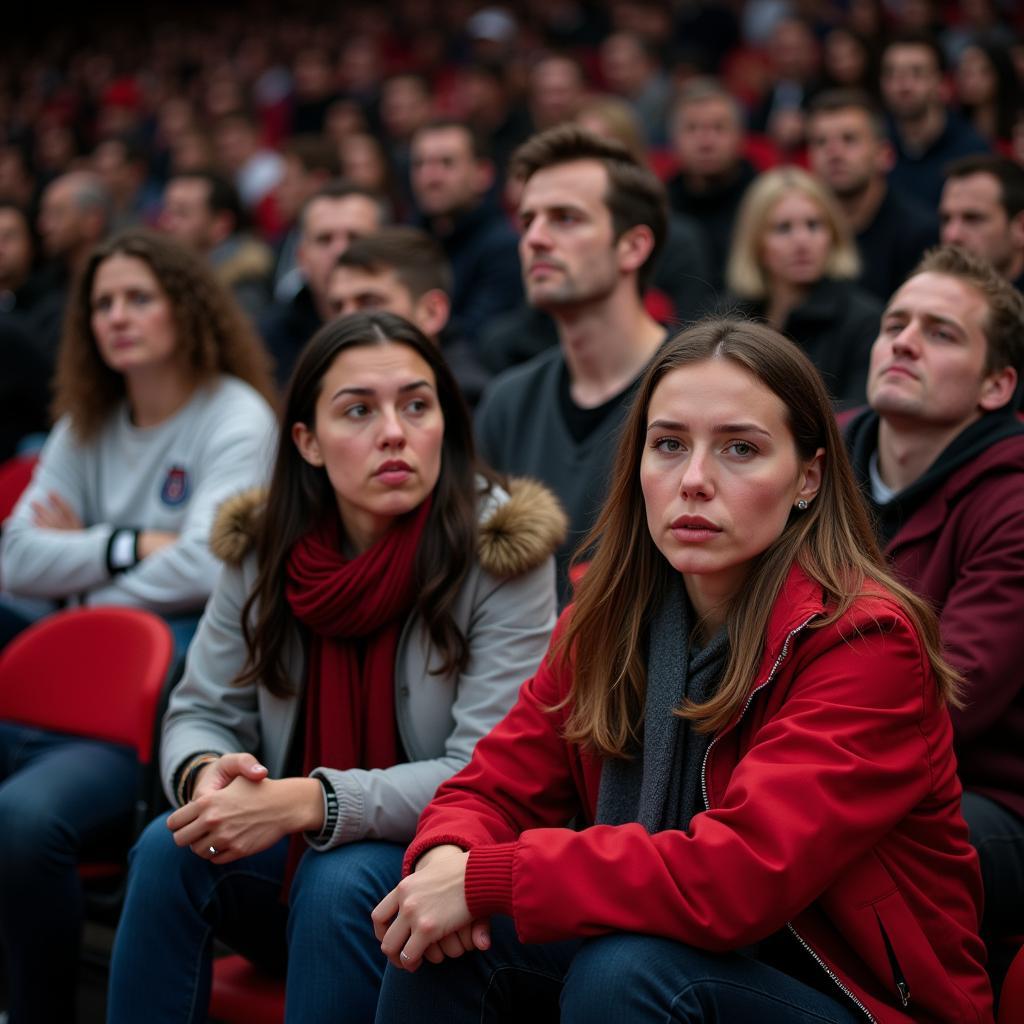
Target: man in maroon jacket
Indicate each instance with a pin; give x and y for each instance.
(940, 456)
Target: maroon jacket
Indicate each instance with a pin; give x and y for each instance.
(962, 547)
(833, 805)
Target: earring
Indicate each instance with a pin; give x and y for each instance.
(802, 504)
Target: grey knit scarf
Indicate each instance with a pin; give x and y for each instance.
(660, 786)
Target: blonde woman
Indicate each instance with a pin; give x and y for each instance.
(793, 264)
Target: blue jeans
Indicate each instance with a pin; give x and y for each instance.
(609, 980)
(177, 902)
(59, 796)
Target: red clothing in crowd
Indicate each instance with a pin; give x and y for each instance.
(833, 806)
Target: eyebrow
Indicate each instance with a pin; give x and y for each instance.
(933, 317)
(718, 428)
(411, 386)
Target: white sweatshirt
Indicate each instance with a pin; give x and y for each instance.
(169, 477)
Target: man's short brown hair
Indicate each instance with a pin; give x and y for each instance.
(417, 260)
(635, 195)
(1004, 322)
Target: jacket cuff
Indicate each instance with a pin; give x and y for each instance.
(348, 824)
(489, 879)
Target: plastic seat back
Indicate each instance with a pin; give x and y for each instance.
(95, 672)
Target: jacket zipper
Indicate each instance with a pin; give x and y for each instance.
(897, 972)
(707, 806)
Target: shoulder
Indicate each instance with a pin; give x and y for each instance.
(519, 382)
(227, 401)
(520, 528)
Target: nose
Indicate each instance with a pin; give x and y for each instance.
(392, 429)
(951, 231)
(907, 342)
(535, 235)
(696, 480)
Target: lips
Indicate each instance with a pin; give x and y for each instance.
(899, 370)
(694, 523)
(393, 466)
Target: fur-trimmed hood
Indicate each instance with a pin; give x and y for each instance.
(515, 535)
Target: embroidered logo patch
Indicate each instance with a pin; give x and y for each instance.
(175, 488)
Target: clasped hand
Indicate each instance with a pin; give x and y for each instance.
(235, 809)
(426, 917)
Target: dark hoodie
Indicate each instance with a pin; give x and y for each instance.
(956, 537)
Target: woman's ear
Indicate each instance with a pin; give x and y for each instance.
(811, 480)
(306, 442)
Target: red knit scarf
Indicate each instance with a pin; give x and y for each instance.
(355, 610)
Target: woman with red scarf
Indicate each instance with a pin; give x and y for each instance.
(379, 607)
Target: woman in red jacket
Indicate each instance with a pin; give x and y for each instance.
(729, 792)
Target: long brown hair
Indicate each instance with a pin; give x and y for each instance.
(832, 541)
(300, 495)
(213, 334)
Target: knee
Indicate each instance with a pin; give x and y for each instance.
(34, 838)
(345, 883)
(629, 977)
(159, 867)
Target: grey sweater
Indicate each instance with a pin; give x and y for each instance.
(169, 477)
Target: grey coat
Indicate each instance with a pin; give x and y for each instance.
(506, 609)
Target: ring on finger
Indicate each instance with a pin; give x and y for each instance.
(213, 851)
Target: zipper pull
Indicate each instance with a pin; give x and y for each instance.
(904, 992)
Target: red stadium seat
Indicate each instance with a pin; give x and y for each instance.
(242, 994)
(1011, 1000)
(15, 475)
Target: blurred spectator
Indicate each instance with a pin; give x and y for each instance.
(255, 169)
(202, 210)
(484, 100)
(24, 386)
(557, 89)
(73, 216)
(631, 67)
(989, 91)
(18, 292)
(406, 105)
(850, 151)
(452, 176)
(16, 180)
(592, 222)
(403, 270)
(682, 272)
(707, 138)
(926, 135)
(982, 211)
(793, 262)
(314, 89)
(334, 215)
(123, 165)
(310, 161)
(978, 19)
(794, 54)
(849, 61)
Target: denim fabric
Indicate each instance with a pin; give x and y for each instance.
(178, 902)
(607, 980)
(60, 796)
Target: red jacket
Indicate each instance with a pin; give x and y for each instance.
(833, 802)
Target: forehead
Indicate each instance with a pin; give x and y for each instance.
(575, 183)
(941, 295)
(350, 280)
(709, 108)
(907, 57)
(451, 141)
(121, 270)
(388, 365)
(188, 190)
(342, 214)
(849, 119)
(975, 190)
(716, 391)
(794, 204)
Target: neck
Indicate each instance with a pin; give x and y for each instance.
(860, 208)
(606, 345)
(361, 529)
(906, 451)
(156, 395)
(782, 300)
(711, 596)
(918, 133)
